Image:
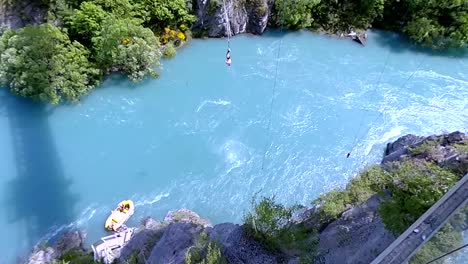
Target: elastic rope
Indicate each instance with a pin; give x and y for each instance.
(273, 90)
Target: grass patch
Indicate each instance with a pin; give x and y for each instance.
(462, 147)
(426, 148)
(333, 203)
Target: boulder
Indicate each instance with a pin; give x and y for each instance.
(358, 236)
(174, 242)
(70, 240)
(185, 216)
(239, 249)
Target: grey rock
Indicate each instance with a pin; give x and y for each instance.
(150, 223)
(243, 16)
(185, 216)
(238, 248)
(43, 256)
(402, 143)
(142, 244)
(441, 153)
(356, 237)
(22, 13)
(173, 244)
(71, 240)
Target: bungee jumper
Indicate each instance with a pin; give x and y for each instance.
(228, 57)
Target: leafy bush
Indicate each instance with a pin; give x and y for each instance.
(204, 252)
(126, 46)
(169, 51)
(270, 223)
(41, 62)
(294, 14)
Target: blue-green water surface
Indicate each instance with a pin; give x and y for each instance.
(199, 136)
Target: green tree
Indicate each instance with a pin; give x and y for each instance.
(162, 13)
(294, 14)
(86, 22)
(431, 23)
(124, 45)
(41, 62)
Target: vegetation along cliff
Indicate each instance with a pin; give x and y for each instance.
(84, 40)
(349, 225)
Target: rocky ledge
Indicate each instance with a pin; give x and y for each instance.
(358, 235)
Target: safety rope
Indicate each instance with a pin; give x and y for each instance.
(356, 138)
(228, 24)
(273, 93)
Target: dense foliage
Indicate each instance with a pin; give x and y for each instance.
(414, 188)
(437, 24)
(271, 223)
(124, 45)
(94, 37)
(41, 62)
(415, 191)
(432, 23)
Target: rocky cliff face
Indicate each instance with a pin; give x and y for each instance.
(19, 13)
(168, 241)
(218, 18)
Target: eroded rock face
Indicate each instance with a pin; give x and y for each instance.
(71, 240)
(239, 249)
(174, 243)
(358, 236)
(167, 241)
(22, 13)
(243, 16)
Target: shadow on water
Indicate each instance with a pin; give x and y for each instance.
(399, 43)
(38, 198)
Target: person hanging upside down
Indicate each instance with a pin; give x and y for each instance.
(228, 57)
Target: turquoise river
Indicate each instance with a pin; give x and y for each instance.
(202, 136)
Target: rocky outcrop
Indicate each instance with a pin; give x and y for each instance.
(218, 18)
(71, 240)
(168, 241)
(444, 150)
(239, 249)
(356, 237)
(19, 13)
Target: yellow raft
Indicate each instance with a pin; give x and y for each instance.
(120, 215)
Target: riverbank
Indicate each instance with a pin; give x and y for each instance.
(356, 227)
